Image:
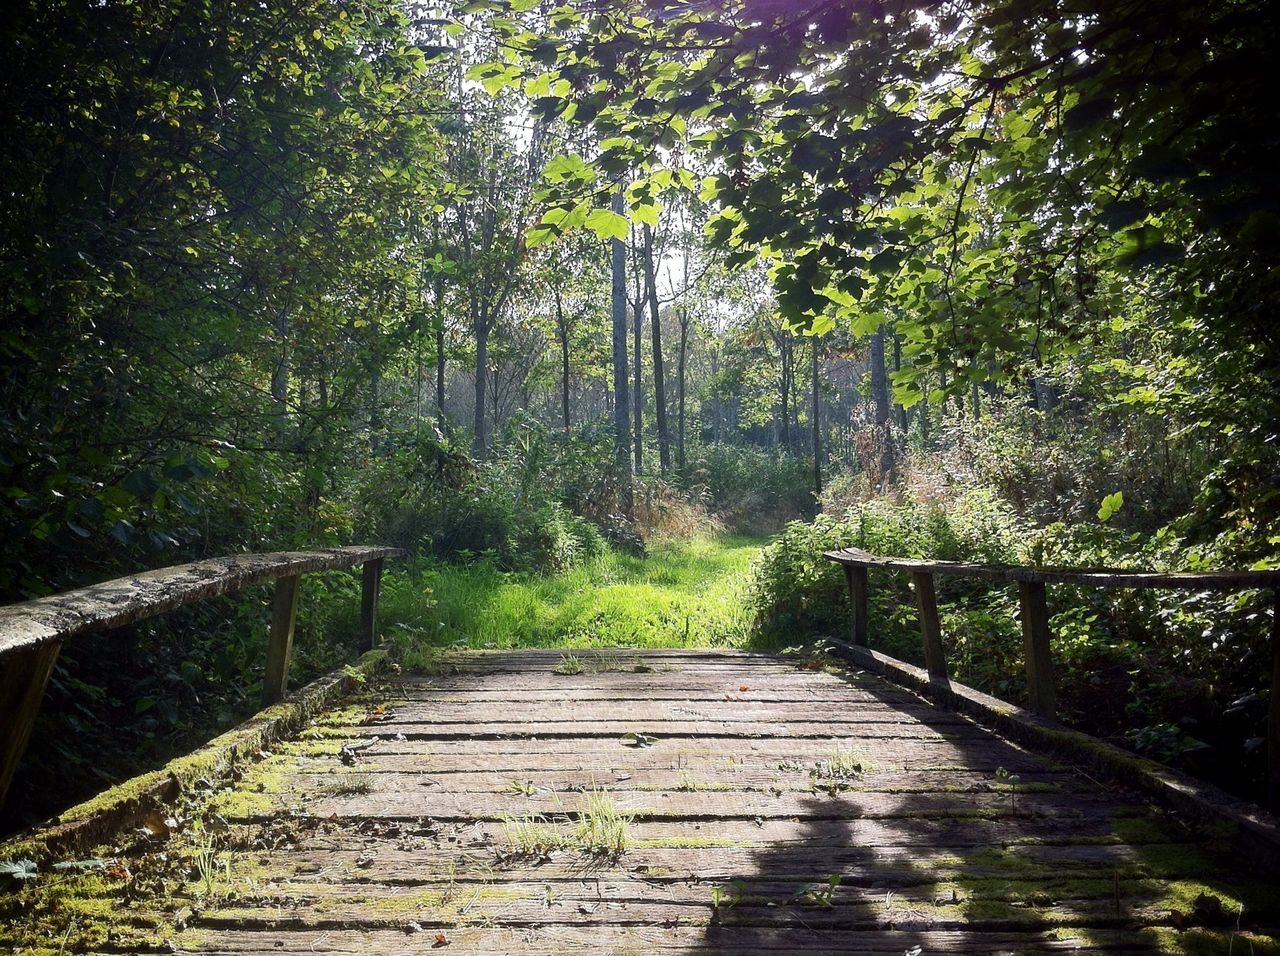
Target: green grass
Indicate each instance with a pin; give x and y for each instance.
(683, 594)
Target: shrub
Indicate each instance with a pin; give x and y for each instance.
(752, 491)
(1180, 676)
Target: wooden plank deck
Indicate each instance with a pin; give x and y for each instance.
(770, 808)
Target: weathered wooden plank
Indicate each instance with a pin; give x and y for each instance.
(370, 587)
(412, 803)
(23, 678)
(856, 577)
(284, 615)
(1090, 577)
(1041, 693)
(935, 657)
(844, 730)
(805, 779)
(720, 711)
(868, 865)
(136, 597)
(930, 757)
(885, 752)
(560, 938)
(373, 906)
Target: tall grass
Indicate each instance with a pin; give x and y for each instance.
(683, 594)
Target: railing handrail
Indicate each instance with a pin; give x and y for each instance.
(1086, 577)
(1034, 612)
(136, 597)
(32, 632)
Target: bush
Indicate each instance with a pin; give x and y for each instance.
(750, 490)
(1179, 676)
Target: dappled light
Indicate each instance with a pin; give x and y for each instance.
(640, 475)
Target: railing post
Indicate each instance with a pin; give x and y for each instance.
(1273, 713)
(857, 578)
(284, 614)
(935, 659)
(371, 587)
(24, 675)
(1035, 642)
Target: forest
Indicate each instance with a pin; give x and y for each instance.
(616, 315)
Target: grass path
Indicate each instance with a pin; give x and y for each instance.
(683, 594)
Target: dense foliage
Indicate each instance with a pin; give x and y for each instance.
(523, 288)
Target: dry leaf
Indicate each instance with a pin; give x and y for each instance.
(744, 688)
(441, 940)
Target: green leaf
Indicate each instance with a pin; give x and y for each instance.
(646, 214)
(19, 869)
(1110, 505)
(607, 224)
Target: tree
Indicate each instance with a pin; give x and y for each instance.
(621, 403)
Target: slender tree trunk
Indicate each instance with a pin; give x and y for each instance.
(440, 356)
(621, 403)
(817, 426)
(717, 420)
(681, 359)
(637, 392)
(280, 375)
(900, 413)
(563, 329)
(880, 401)
(659, 374)
(784, 388)
(480, 437)
(375, 389)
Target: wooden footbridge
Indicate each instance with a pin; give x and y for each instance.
(691, 801)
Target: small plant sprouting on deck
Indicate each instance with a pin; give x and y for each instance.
(841, 765)
(534, 835)
(818, 894)
(353, 784)
(1011, 780)
(602, 827)
(685, 781)
(523, 788)
(211, 866)
(570, 665)
(727, 897)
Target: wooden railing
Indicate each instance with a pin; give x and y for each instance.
(31, 633)
(1032, 598)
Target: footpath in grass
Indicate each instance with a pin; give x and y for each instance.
(682, 594)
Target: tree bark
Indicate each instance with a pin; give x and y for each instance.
(562, 328)
(621, 404)
(899, 412)
(440, 356)
(637, 392)
(480, 437)
(659, 380)
(880, 402)
(681, 360)
(817, 426)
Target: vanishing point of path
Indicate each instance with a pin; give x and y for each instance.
(764, 805)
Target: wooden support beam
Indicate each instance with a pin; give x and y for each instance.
(1273, 714)
(371, 588)
(284, 615)
(857, 578)
(1041, 693)
(24, 675)
(935, 658)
